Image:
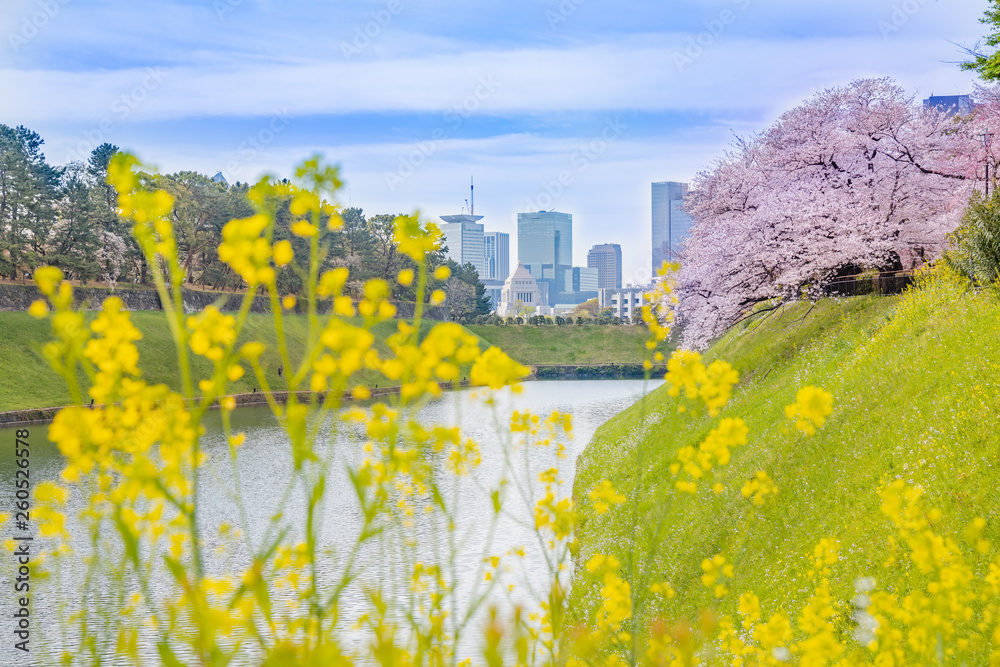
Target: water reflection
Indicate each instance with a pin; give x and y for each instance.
(264, 468)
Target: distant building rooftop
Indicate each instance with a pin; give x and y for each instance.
(952, 105)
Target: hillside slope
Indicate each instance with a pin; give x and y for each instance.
(915, 383)
(27, 381)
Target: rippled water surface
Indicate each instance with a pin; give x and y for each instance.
(264, 467)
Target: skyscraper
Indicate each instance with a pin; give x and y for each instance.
(497, 265)
(545, 247)
(497, 256)
(545, 237)
(607, 259)
(671, 223)
(466, 241)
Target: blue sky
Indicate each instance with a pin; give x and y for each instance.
(576, 105)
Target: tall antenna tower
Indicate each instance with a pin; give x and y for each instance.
(472, 192)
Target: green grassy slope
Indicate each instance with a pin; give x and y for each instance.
(916, 385)
(570, 344)
(27, 381)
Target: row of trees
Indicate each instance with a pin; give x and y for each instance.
(51, 215)
(67, 217)
(859, 177)
(606, 318)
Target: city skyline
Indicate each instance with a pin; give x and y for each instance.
(576, 106)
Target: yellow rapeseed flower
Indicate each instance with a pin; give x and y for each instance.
(38, 309)
(283, 253)
(604, 495)
(811, 408)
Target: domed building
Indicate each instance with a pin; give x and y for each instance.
(519, 290)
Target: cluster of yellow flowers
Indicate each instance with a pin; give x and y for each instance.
(659, 311)
(554, 515)
(604, 495)
(714, 450)
(716, 569)
(811, 408)
(759, 488)
(687, 375)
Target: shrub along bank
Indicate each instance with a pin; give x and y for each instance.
(915, 381)
(569, 344)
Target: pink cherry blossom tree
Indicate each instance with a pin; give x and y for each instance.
(858, 177)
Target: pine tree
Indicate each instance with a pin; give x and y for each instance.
(29, 190)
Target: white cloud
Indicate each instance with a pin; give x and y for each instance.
(729, 74)
(773, 55)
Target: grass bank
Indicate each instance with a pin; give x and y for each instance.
(27, 381)
(568, 344)
(915, 380)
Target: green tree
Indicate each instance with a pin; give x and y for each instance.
(975, 245)
(987, 65)
(76, 237)
(354, 238)
(97, 170)
(467, 274)
(29, 193)
(384, 259)
(201, 209)
(587, 308)
(460, 299)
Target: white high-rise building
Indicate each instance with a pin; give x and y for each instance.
(497, 256)
(497, 266)
(466, 241)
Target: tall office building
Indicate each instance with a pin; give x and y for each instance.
(466, 240)
(497, 266)
(545, 237)
(497, 256)
(607, 259)
(671, 223)
(582, 284)
(545, 247)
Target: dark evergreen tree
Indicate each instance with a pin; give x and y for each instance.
(29, 193)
